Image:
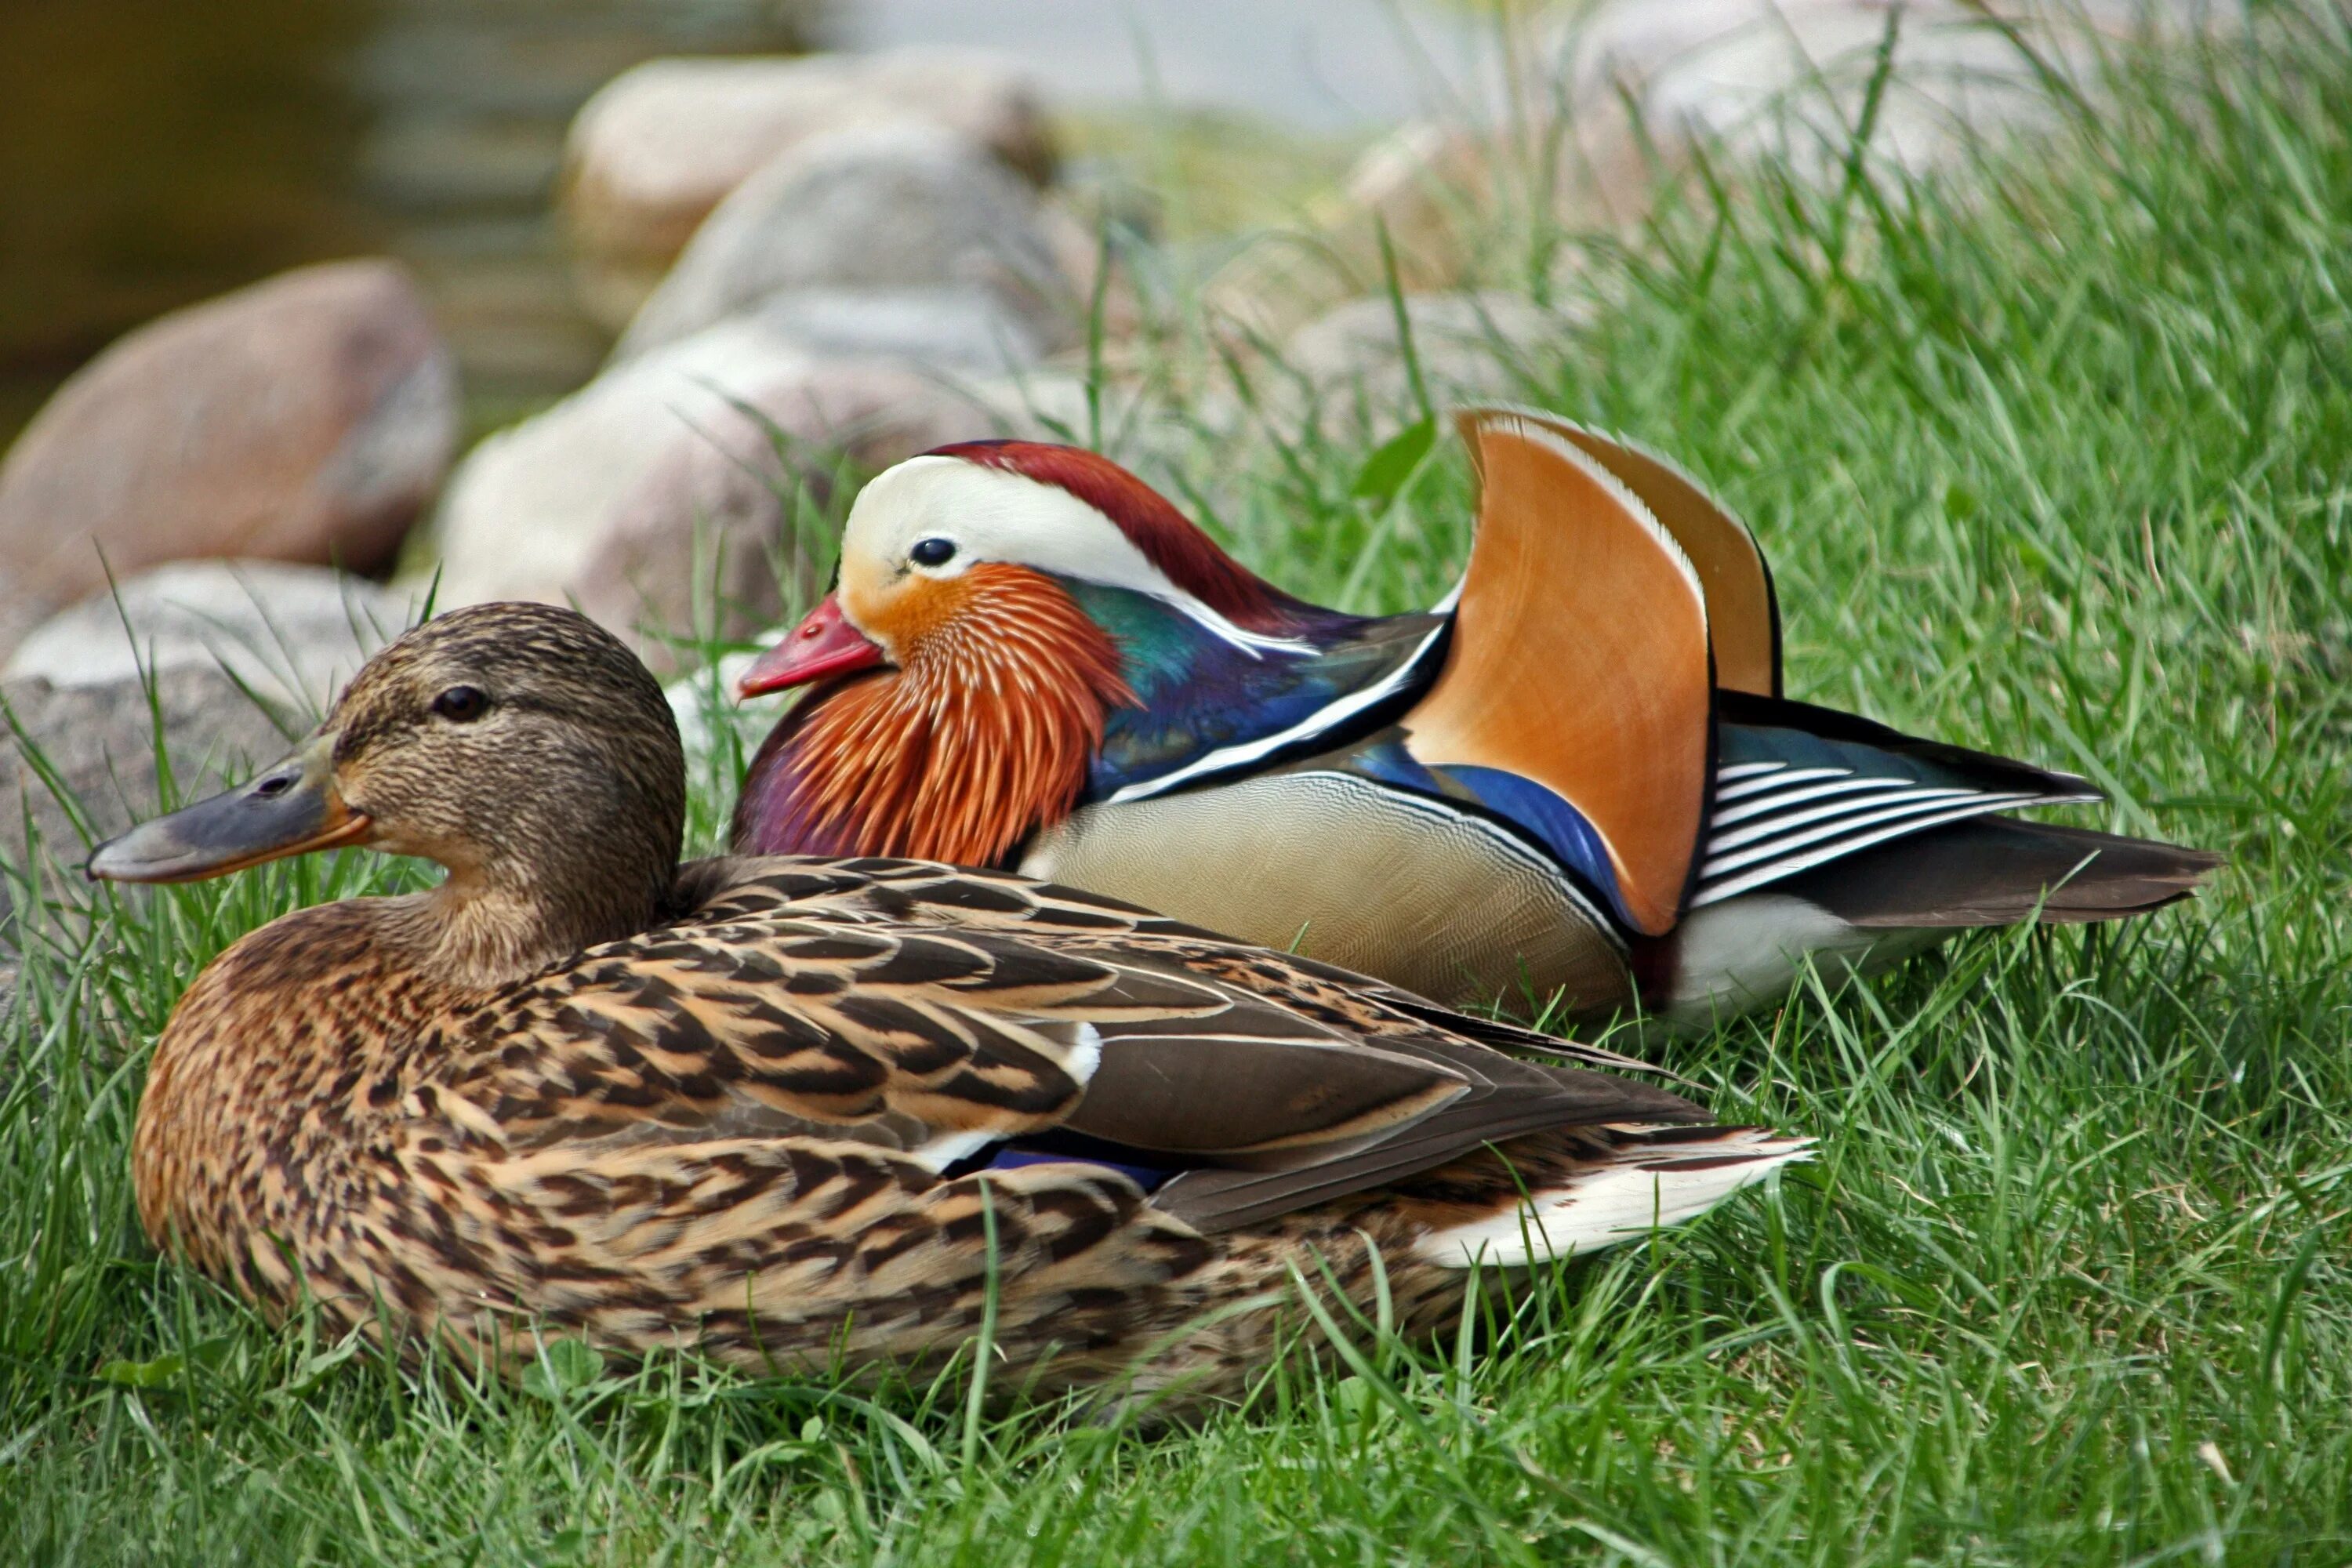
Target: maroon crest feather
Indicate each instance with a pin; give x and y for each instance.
(1171, 541)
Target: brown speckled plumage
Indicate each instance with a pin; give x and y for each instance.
(712, 1108)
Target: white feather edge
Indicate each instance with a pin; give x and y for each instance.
(1730, 883)
(937, 1152)
(1643, 1189)
(1225, 758)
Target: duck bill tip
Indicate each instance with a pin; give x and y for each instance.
(294, 808)
(822, 645)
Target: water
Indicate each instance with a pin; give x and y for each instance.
(157, 152)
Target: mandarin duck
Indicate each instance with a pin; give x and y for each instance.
(1577, 780)
(792, 1111)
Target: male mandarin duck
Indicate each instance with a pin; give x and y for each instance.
(1577, 777)
(792, 1110)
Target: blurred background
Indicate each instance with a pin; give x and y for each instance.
(154, 153)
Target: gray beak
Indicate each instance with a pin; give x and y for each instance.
(291, 809)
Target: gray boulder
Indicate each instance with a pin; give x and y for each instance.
(84, 765)
(242, 657)
(967, 328)
(307, 418)
(894, 207)
(662, 144)
(290, 634)
(654, 498)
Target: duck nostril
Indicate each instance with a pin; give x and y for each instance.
(810, 631)
(277, 785)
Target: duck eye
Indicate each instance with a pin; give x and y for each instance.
(932, 551)
(462, 704)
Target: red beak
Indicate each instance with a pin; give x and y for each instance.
(825, 644)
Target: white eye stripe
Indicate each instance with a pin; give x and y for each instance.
(1011, 517)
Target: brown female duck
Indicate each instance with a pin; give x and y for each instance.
(781, 1110)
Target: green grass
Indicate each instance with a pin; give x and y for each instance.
(2053, 458)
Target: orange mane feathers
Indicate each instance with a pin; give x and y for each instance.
(982, 735)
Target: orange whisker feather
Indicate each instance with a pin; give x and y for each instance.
(983, 733)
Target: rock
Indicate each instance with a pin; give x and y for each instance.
(663, 145)
(964, 328)
(881, 208)
(1349, 363)
(1633, 89)
(306, 418)
(97, 741)
(1427, 184)
(1755, 76)
(243, 655)
(652, 488)
(290, 634)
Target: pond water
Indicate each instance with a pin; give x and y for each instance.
(156, 151)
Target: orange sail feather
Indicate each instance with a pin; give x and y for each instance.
(1580, 658)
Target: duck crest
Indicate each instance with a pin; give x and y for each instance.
(983, 734)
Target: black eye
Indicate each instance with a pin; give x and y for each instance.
(462, 704)
(932, 551)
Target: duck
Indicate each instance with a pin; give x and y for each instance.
(802, 1113)
(1576, 787)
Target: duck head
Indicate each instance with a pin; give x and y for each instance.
(520, 746)
(996, 602)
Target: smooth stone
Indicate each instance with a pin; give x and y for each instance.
(290, 634)
(1642, 86)
(662, 144)
(656, 500)
(965, 328)
(878, 208)
(98, 742)
(1752, 77)
(307, 418)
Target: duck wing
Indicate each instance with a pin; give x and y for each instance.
(758, 1015)
(1577, 713)
(1799, 787)
(924, 892)
(1211, 705)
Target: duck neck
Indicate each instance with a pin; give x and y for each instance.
(502, 920)
(981, 736)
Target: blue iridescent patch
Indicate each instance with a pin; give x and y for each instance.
(1563, 829)
(1148, 1177)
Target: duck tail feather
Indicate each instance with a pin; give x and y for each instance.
(1651, 1179)
(1999, 870)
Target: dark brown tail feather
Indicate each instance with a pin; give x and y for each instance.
(1998, 870)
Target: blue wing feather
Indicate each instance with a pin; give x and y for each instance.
(1533, 812)
(1212, 706)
